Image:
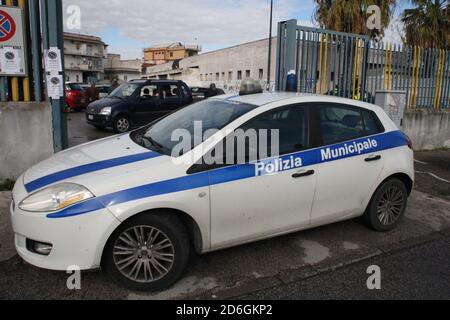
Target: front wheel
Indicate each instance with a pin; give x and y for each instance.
(122, 124)
(148, 253)
(387, 207)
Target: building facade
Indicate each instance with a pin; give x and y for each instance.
(161, 54)
(84, 58)
(226, 67)
(122, 70)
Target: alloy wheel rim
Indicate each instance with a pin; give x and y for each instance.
(144, 254)
(123, 125)
(390, 206)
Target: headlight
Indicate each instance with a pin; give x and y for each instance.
(106, 111)
(55, 198)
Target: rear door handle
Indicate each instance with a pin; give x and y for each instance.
(303, 174)
(373, 158)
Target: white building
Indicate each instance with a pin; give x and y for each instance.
(84, 58)
(226, 67)
(122, 70)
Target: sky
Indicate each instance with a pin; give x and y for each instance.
(128, 26)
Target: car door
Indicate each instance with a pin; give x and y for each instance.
(350, 162)
(149, 105)
(255, 200)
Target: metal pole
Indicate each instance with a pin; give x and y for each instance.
(36, 49)
(55, 38)
(269, 64)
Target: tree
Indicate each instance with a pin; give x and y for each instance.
(351, 15)
(427, 25)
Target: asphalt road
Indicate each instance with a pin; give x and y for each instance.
(420, 273)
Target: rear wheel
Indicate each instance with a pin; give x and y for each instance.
(387, 207)
(148, 253)
(122, 124)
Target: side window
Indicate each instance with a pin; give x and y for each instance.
(342, 123)
(292, 126)
(372, 123)
(150, 92)
(185, 90)
(170, 91)
(248, 143)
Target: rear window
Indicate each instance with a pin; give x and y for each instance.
(74, 86)
(342, 123)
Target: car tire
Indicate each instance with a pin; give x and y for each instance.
(149, 269)
(387, 206)
(121, 124)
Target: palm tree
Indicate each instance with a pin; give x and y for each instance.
(427, 25)
(351, 15)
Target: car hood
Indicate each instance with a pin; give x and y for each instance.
(96, 106)
(102, 165)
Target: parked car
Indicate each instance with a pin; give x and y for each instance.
(199, 93)
(75, 98)
(136, 205)
(137, 103)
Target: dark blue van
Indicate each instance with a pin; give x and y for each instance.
(137, 103)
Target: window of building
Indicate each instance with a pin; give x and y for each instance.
(230, 75)
(78, 78)
(239, 75)
(217, 76)
(171, 54)
(201, 77)
(247, 73)
(261, 74)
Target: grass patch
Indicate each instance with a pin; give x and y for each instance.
(7, 185)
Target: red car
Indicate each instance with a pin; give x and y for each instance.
(75, 97)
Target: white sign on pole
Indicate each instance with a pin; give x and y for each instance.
(12, 43)
(53, 61)
(55, 86)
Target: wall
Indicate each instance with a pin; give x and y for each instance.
(428, 129)
(25, 137)
(249, 56)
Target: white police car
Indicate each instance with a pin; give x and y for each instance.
(135, 206)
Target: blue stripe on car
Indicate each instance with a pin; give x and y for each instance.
(87, 168)
(224, 175)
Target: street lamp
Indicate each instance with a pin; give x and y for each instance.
(269, 66)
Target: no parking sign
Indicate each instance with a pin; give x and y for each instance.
(12, 47)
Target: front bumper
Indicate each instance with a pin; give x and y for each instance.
(99, 120)
(76, 241)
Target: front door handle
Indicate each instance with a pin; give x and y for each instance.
(373, 158)
(303, 174)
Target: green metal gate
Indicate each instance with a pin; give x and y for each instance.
(353, 66)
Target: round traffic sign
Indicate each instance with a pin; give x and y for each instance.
(7, 26)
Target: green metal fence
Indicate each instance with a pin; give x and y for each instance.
(353, 66)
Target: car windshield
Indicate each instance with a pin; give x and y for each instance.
(194, 122)
(74, 86)
(125, 90)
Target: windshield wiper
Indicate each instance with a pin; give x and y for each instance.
(154, 143)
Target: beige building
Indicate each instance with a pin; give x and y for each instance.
(84, 58)
(171, 52)
(122, 70)
(226, 67)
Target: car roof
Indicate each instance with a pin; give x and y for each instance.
(149, 81)
(262, 99)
